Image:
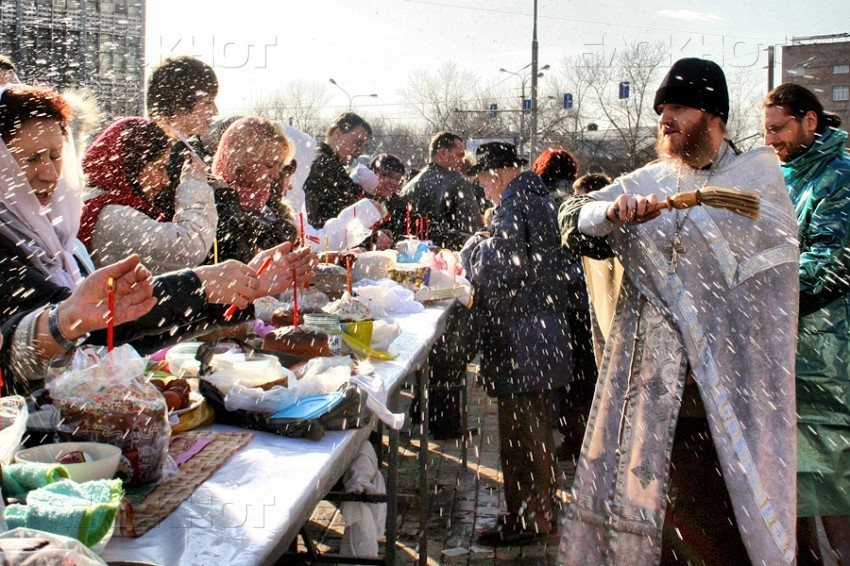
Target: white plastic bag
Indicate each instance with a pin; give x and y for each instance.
(13, 421)
(324, 375)
(388, 296)
(111, 402)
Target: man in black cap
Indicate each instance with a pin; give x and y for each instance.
(695, 401)
(522, 287)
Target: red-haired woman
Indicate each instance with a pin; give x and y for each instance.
(251, 160)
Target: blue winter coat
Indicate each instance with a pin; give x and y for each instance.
(522, 278)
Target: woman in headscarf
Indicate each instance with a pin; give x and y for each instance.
(126, 167)
(250, 161)
(49, 301)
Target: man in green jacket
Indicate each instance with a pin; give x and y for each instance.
(811, 149)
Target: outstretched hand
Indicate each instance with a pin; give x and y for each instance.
(230, 282)
(277, 277)
(87, 308)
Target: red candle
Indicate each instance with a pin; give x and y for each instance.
(110, 321)
(231, 310)
(294, 298)
(348, 273)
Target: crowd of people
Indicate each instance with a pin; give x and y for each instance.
(695, 360)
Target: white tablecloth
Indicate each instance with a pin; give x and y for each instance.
(250, 510)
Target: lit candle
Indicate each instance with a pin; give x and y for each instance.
(295, 321)
(110, 321)
(348, 273)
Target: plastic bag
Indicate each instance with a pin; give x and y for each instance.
(373, 265)
(388, 296)
(28, 546)
(110, 402)
(324, 375)
(13, 422)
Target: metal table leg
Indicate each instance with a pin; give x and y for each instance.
(464, 421)
(392, 486)
(424, 378)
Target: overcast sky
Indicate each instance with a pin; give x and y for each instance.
(370, 46)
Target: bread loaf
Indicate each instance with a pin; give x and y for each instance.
(302, 341)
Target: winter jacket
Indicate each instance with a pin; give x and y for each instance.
(241, 232)
(819, 185)
(396, 215)
(522, 280)
(328, 189)
(448, 202)
(163, 246)
(118, 220)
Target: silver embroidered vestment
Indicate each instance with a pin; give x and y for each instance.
(728, 313)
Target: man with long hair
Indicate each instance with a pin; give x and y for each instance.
(811, 148)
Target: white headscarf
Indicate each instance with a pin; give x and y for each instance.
(47, 235)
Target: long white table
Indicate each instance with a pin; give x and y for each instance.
(252, 508)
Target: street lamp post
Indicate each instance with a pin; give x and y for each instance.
(351, 97)
(523, 80)
(534, 76)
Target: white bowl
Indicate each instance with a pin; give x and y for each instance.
(103, 467)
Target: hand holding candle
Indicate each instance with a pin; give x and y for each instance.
(94, 305)
(231, 310)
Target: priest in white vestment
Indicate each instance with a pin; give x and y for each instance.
(704, 334)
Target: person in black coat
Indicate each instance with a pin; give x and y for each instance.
(328, 189)
(521, 278)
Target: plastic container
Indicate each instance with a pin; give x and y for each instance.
(103, 466)
(329, 323)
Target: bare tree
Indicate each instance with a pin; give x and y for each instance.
(746, 92)
(435, 95)
(566, 127)
(633, 118)
(406, 139)
(299, 104)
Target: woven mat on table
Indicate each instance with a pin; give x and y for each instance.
(136, 518)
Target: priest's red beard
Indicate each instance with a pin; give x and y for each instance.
(689, 144)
